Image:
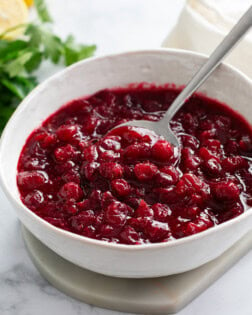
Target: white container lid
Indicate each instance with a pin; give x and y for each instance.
(203, 24)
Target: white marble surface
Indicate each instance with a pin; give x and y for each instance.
(114, 26)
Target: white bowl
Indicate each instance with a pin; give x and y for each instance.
(84, 78)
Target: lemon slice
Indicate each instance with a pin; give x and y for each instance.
(12, 13)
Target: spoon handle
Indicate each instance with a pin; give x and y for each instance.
(214, 60)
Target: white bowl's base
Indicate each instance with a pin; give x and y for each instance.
(153, 296)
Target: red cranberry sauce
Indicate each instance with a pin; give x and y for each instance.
(131, 186)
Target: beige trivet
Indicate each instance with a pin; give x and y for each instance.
(149, 296)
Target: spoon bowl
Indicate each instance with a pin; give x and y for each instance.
(161, 128)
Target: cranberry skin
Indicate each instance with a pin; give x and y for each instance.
(144, 210)
(213, 146)
(205, 154)
(190, 122)
(67, 133)
(156, 230)
(90, 125)
(34, 199)
(167, 195)
(83, 205)
(32, 164)
(90, 170)
(145, 171)
(109, 156)
(69, 207)
(120, 187)
(72, 176)
(172, 172)
(130, 236)
(190, 142)
(190, 161)
(161, 212)
(234, 163)
(111, 170)
(136, 152)
(72, 191)
(47, 141)
(83, 219)
(245, 143)
(226, 191)
(131, 135)
(162, 151)
(138, 223)
(193, 211)
(90, 153)
(190, 183)
(163, 180)
(116, 213)
(89, 231)
(29, 180)
(107, 199)
(197, 226)
(95, 199)
(58, 222)
(64, 154)
(107, 230)
(112, 143)
(213, 167)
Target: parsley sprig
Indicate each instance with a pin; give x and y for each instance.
(21, 57)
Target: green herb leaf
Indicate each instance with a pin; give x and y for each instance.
(17, 66)
(52, 47)
(42, 11)
(74, 52)
(20, 57)
(34, 62)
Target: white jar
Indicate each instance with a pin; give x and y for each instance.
(203, 24)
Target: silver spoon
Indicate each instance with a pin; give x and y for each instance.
(162, 127)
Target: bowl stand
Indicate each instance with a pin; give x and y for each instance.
(163, 295)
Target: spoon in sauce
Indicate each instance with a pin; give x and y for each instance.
(162, 127)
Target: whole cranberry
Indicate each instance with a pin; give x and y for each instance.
(71, 190)
(156, 230)
(34, 199)
(29, 180)
(90, 170)
(172, 172)
(111, 143)
(90, 153)
(136, 152)
(162, 151)
(81, 220)
(234, 163)
(120, 187)
(65, 153)
(161, 212)
(130, 236)
(144, 210)
(107, 199)
(111, 170)
(116, 213)
(190, 162)
(212, 167)
(226, 191)
(67, 133)
(145, 171)
(189, 184)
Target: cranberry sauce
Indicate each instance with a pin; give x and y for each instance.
(131, 186)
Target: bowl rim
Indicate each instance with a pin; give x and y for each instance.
(99, 243)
